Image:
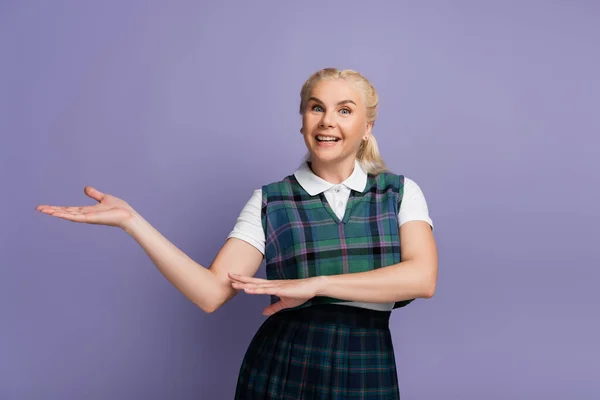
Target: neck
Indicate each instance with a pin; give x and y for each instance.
(333, 172)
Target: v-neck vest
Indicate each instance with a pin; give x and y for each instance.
(305, 238)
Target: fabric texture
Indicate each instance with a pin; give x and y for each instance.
(305, 238)
(248, 225)
(324, 352)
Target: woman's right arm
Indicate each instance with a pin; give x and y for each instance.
(208, 288)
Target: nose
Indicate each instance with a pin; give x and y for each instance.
(326, 121)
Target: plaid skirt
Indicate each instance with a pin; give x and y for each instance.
(320, 352)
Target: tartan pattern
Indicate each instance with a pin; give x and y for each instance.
(305, 238)
(323, 352)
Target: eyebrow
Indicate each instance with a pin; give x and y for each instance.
(340, 103)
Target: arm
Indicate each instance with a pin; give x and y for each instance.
(207, 288)
(414, 277)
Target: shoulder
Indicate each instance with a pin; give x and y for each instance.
(283, 186)
(386, 182)
(386, 179)
(413, 206)
(411, 187)
(406, 184)
(254, 203)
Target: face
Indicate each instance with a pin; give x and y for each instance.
(334, 122)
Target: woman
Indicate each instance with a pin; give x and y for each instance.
(331, 235)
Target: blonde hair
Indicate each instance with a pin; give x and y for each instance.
(368, 154)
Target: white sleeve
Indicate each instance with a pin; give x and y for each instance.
(413, 206)
(249, 225)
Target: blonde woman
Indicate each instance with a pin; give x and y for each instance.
(345, 242)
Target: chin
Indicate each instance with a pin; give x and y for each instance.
(325, 157)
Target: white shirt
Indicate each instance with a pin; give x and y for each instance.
(412, 208)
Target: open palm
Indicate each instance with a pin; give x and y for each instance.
(291, 292)
(110, 210)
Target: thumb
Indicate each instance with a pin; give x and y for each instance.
(273, 308)
(93, 193)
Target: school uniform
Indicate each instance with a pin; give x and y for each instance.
(326, 348)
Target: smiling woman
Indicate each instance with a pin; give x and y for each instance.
(331, 235)
(345, 242)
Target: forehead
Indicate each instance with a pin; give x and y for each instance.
(336, 90)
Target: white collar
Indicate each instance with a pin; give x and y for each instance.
(314, 184)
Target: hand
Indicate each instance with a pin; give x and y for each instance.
(110, 210)
(291, 292)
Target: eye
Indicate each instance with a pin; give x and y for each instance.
(346, 111)
(317, 108)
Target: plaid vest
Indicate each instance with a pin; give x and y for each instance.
(305, 238)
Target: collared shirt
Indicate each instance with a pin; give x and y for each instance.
(249, 225)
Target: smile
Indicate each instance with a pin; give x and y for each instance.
(322, 138)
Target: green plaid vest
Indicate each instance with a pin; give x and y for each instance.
(305, 238)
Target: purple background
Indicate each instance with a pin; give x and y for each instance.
(183, 108)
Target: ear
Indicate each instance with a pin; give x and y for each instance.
(368, 131)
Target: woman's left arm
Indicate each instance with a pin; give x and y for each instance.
(414, 277)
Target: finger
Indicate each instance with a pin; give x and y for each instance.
(262, 290)
(50, 209)
(46, 208)
(65, 210)
(247, 279)
(43, 208)
(70, 216)
(80, 214)
(242, 286)
(93, 193)
(243, 279)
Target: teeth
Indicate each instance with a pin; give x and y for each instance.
(327, 138)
